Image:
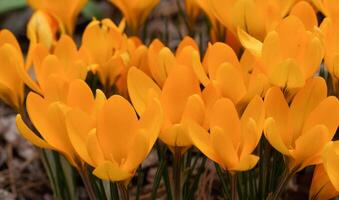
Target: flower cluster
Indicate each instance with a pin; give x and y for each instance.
(258, 78)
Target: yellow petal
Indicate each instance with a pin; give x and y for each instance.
(138, 153)
(179, 86)
(246, 163)
(306, 147)
(139, 84)
(274, 137)
(111, 171)
(225, 116)
(78, 125)
(271, 51)
(185, 42)
(223, 145)
(151, 121)
(250, 138)
(250, 43)
(304, 11)
(66, 50)
(80, 96)
(305, 101)
(287, 75)
(94, 149)
(277, 108)
(199, 69)
(218, 54)
(29, 135)
(331, 162)
(176, 136)
(7, 37)
(117, 125)
(202, 140)
(321, 187)
(194, 110)
(326, 113)
(230, 82)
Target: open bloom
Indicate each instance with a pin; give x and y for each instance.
(231, 138)
(104, 47)
(11, 59)
(115, 141)
(135, 11)
(161, 60)
(256, 17)
(287, 61)
(224, 76)
(63, 11)
(301, 130)
(42, 28)
(64, 61)
(180, 98)
(331, 160)
(321, 187)
(47, 114)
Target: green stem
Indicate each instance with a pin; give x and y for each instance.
(177, 173)
(287, 175)
(234, 190)
(87, 182)
(123, 191)
(114, 191)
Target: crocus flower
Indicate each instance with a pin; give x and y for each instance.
(321, 186)
(116, 141)
(135, 11)
(161, 60)
(47, 114)
(331, 160)
(301, 130)
(224, 76)
(180, 98)
(254, 16)
(104, 48)
(11, 59)
(64, 61)
(42, 28)
(231, 138)
(63, 11)
(287, 61)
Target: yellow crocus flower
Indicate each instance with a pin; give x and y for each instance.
(224, 76)
(64, 11)
(116, 142)
(11, 59)
(47, 114)
(287, 61)
(331, 160)
(105, 49)
(300, 131)
(180, 98)
(253, 16)
(135, 11)
(161, 60)
(41, 28)
(321, 186)
(65, 61)
(231, 138)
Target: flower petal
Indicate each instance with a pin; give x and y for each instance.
(111, 171)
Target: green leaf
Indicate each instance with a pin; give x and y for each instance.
(9, 5)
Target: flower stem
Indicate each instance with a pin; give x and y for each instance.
(87, 182)
(234, 190)
(123, 191)
(287, 175)
(177, 173)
